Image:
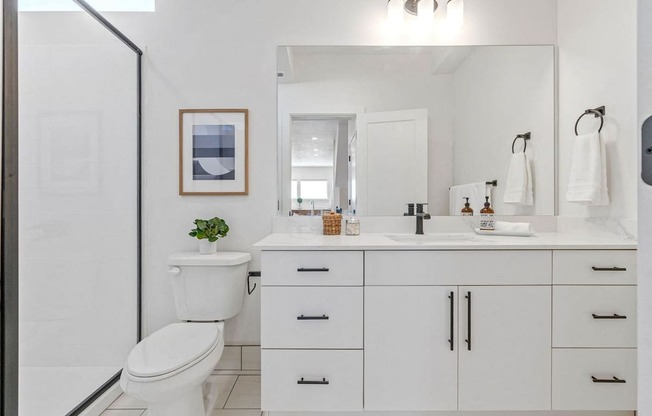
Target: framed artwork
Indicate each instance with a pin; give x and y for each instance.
(213, 152)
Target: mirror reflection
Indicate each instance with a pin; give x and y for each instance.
(370, 129)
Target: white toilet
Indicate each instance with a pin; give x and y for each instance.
(169, 368)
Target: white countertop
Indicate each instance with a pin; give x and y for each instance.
(447, 241)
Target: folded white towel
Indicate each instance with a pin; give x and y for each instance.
(587, 182)
(518, 186)
(474, 191)
(516, 229)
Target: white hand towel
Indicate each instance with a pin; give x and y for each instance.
(518, 186)
(514, 228)
(587, 182)
(474, 191)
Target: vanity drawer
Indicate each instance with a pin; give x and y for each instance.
(312, 268)
(392, 268)
(312, 317)
(573, 387)
(602, 267)
(583, 316)
(282, 388)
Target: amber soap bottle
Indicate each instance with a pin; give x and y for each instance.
(487, 221)
(467, 210)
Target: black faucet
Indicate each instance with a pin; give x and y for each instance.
(420, 217)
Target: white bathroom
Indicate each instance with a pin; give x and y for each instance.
(238, 208)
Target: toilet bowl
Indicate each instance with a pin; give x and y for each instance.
(169, 369)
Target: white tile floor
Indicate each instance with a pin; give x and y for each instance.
(239, 395)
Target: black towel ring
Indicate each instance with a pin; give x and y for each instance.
(525, 137)
(597, 112)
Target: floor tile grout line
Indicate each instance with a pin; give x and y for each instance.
(231, 391)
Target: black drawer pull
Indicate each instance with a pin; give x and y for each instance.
(451, 339)
(312, 318)
(468, 321)
(609, 269)
(322, 381)
(614, 316)
(303, 269)
(608, 380)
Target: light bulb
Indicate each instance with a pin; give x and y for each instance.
(395, 11)
(426, 11)
(455, 15)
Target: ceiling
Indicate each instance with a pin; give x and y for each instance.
(313, 142)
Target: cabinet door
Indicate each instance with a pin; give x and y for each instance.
(410, 348)
(505, 348)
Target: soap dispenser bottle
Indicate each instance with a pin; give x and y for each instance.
(487, 221)
(467, 210)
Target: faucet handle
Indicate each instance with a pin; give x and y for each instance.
(410, 212)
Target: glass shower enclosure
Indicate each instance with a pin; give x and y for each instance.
(79, 208)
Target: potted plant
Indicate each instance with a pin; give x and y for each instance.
(208, 232)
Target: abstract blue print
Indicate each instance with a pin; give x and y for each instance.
(213, 152)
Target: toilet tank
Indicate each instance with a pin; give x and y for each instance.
(208, 287)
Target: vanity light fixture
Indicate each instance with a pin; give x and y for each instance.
(427, 10)
(314, 138)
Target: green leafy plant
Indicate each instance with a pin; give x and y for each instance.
(212, 229)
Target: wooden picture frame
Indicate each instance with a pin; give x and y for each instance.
(213, 152)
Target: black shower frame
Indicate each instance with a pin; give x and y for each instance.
(9, 231)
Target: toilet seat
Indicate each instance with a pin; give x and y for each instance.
(173, 349)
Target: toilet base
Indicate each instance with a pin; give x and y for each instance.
(191, 403)
(198, 401)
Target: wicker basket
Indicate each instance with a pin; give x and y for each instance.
(332, 223)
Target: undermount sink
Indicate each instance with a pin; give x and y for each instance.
(430, 238)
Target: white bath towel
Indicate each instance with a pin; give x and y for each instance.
(587, 182)
(518, 186)
(474, 191)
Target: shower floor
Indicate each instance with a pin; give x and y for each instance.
(55, 391)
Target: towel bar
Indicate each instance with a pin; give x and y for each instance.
(597, 112)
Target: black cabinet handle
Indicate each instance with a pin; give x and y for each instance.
(609, 269)
(451, 340)
(303, 269)
(614, 316)
(322, 381)
(468, 320)
(608, 380)
(312, 318)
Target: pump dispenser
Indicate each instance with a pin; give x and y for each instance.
(487, 221)
(467, 210)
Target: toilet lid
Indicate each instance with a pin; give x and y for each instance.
(171, 348)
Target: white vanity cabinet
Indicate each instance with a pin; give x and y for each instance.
(411, 346)
(312, 331)
(457, 347)
(506, 364)
(448, 330)
(594, 330)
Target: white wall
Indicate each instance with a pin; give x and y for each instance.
(218, 54)
(499, 93)
(597, 66)
(644, 218)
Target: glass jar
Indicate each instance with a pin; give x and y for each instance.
(352, 226)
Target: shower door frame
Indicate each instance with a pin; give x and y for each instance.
(9, 255)
(9, 224)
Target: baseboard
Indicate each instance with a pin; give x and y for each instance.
(102, 403)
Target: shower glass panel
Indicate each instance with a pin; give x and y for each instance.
(78, 209)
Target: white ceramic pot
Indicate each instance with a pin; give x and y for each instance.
(206, 247)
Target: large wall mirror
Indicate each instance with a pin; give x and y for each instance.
(369, 129)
